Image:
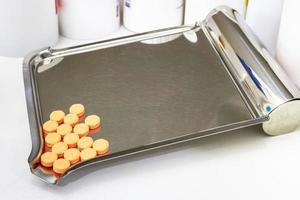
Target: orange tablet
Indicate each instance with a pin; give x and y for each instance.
(81, 129)
(52, 138)
(48, 158)
(71, 119)
(77, 109)
(50, 126)
(93, 121)
(64, 129)
(87, 154)
(84, 143)
(71, 139)
(59, 148)
(61, 165)
(101, 146)
(58, 116)
(72, 155)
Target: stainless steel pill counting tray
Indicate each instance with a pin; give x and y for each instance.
(213, 77)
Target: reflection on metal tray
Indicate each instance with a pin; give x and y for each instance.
(154, 95)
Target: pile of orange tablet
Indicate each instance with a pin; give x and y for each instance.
(67, 139)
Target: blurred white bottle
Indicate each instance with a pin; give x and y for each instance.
(147, 15)
(288, 45)
(263, 16)
(26, 26)
(89, 19)
(197, 10)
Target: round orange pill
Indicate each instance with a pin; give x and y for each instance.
(101, 146)
(59, 148)
(72, 155)
(48, 158)
(52, 138)
(85, 142)
(64, 129)
(93, 121)
(57, 116)
(81, 129)
(71, 119)
(50, 126)
(77, 109)
(61, 165)
(87, 154)
(71, 139)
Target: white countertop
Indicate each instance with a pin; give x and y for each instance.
(244, 164)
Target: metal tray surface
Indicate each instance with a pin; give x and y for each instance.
(145, 93)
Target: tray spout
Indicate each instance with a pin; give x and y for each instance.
(263, 84)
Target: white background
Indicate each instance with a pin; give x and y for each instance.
(243, 164)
